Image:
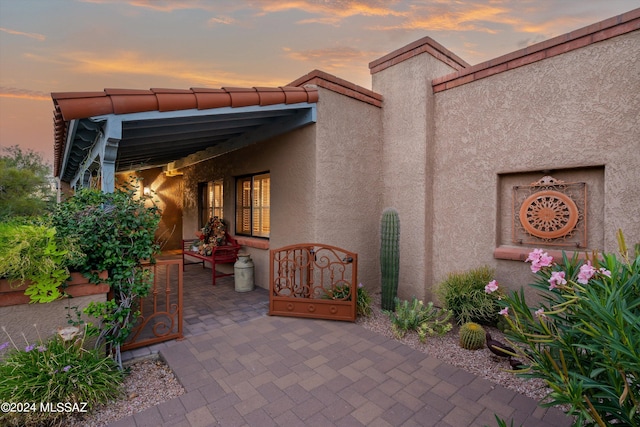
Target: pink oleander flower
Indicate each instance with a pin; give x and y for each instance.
(491, 287)
(504, 311)
(539, 313)
(587, 271)
(539, 259)
(604, 272)
(557, 278)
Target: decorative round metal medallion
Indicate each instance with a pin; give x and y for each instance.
(548, 214)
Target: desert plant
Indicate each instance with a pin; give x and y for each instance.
(53, 372)
(472, 336)
(343, 293)
(584, 339)
(363, 305)
(464, 294)
(389, 257)
(426, 320)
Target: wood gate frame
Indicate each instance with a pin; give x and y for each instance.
(313, 280)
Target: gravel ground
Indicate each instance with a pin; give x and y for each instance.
(151, 382)
(480, 362)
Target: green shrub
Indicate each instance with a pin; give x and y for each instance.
(342, 292)
(584, 339)
(57, 371)
(426, 320)
(464, 294)
(117, 232)
(364, 301)
(35, 252)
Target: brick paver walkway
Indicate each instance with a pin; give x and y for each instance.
(275, 371)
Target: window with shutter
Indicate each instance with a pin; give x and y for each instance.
(253, 209)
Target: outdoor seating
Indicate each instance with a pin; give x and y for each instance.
(214, 255)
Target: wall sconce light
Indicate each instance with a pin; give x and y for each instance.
(146, 191)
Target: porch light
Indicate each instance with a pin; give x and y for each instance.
(146, 191)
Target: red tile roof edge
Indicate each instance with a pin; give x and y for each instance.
(79, 105)
(338, 85)
(425, 44)
(600, 31)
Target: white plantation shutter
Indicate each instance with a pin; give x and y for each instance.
(253, 205)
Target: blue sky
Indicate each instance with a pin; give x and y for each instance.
(88, 45)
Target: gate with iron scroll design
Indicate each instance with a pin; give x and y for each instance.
(313, 280)
(160, 316)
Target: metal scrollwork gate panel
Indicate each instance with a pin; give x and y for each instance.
(313, 280)
(160, 316)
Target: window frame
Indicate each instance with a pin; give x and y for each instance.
(208, 205)
(250, 205)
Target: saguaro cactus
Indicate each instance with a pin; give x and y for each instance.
(389, 257)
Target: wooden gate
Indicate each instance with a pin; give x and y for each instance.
(313, 280)
(160, 316)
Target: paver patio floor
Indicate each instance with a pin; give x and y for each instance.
(241, 367)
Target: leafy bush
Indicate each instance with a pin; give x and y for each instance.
(364, 301)
(343, 292)
(415, 316)
(34, 252)
(465, 296)
(57, 371)
(584, 339)
(117, 232)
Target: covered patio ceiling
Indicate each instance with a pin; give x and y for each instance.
(123, 130)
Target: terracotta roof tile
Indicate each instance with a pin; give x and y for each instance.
(79, 105)
(338, 85)
(425, 44)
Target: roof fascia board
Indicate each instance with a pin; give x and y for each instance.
(155, 115)
(302, 118)
(73, 126)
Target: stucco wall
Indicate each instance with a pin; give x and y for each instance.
(576, 110)
(348, 180)
(289, 160)
(47, 318)
(325, 181)
(407, 162)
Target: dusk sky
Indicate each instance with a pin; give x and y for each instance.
(88, 45)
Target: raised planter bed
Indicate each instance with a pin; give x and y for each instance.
(77, 286)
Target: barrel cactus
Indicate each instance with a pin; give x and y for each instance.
(472, 336)
(389, 257)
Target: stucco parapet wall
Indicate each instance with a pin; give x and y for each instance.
(600, 31)
(338, 85)
(424, 45)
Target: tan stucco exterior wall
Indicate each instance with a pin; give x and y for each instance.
(348, 180)
(37, 321)
(292, 190)
(407, 163)
(576, 110)
(324, 184)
